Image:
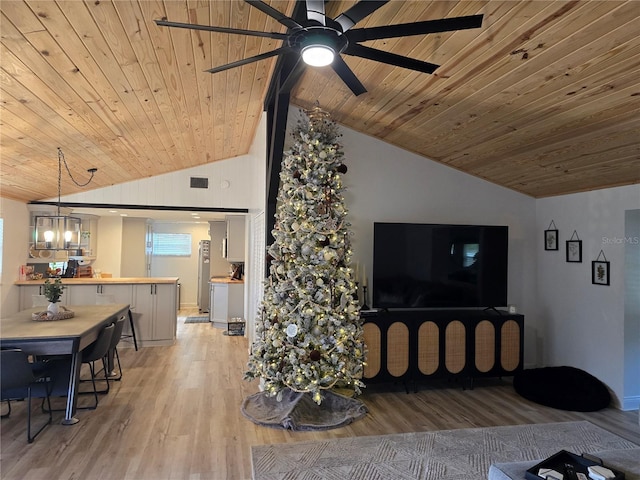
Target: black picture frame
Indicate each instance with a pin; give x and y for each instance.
(600, 272)
(551, 239)
(574, 251)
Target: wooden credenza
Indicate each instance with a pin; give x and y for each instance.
(413, 346)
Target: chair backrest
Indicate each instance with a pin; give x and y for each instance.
(15, 370)
(117, 332)
(100, 347)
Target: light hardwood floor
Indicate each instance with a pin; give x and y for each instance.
(176, 415)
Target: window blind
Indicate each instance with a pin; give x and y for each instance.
(172, 244)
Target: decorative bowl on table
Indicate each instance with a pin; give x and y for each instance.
(47, 316)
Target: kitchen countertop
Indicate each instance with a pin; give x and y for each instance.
(103, 281)
(224, 280)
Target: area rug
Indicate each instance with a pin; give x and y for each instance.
(463, 454)
(298, 411)
(197, 319)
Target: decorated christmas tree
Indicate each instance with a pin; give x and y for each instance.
(309, 337)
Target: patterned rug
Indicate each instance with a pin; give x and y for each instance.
(197, 319)
(463, 454)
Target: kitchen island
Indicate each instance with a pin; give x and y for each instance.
(226, 300)
(153, 302)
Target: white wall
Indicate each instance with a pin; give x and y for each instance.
(14, 251)
(133, 262)
(583, 325)
(109, 254)
(229, 187)
(631, 244)
(386, 184)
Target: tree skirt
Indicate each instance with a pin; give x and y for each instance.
(298, 411)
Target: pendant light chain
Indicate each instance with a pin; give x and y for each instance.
(60, 156)
(61, 160)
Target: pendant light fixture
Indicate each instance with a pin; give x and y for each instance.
(60, 232)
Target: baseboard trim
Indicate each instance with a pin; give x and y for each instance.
(631, 403)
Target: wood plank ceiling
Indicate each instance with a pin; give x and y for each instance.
(543, 99)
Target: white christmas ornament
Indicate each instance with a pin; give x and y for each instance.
(292, 330)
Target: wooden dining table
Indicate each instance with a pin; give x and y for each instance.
(60, 337)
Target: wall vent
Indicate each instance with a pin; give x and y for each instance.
(199, 182)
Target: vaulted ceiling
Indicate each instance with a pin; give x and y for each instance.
(543, 99)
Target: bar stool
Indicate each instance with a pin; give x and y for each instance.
(133, 331)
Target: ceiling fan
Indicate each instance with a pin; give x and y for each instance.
(319, 41)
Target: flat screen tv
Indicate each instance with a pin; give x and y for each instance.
(439, 266)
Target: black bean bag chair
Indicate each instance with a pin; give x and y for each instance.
(564, 388)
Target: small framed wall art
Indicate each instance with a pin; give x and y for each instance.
(551, 237)
(600, 270)
(574, 249)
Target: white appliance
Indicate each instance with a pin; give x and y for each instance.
(204, 263)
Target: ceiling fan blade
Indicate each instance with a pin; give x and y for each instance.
(315, 11)
(347, 76)
(244, 61)
(416, 28)
(273, 13)
(193, 26)
(356, 13)
(390, 58)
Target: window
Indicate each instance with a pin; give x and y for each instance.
(470, 253)
(172, 244)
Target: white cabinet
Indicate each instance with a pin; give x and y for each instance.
(115, 293)
(33, 296)
(227, 301)
(233, 249)
(155, 313)
(82, 294)
(96, 294)
(99, 293)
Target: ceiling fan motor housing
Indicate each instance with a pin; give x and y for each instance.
(318, 36)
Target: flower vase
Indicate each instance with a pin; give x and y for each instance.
(53, 308)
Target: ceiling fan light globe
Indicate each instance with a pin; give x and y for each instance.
(318, 55)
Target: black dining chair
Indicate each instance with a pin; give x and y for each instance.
(98, 351)
(21, 379)
(105, 299)
(113, 356)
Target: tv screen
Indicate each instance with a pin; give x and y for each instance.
(439, 266)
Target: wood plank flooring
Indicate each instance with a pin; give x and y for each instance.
(176, 415)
